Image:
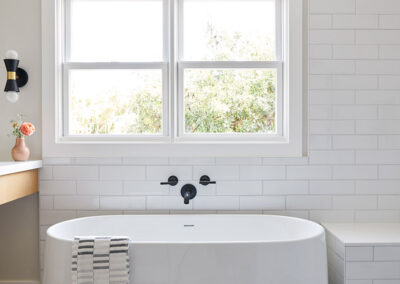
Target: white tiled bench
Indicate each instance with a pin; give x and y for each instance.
(363, 253)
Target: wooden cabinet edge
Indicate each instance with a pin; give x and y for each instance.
(18, 185)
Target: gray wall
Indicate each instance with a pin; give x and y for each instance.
(20, 30)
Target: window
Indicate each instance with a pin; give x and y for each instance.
(178, 72)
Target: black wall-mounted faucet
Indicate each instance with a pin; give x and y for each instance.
(205, 180)
(172, 180)
(188, 192)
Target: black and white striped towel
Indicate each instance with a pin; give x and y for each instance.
(100, 260)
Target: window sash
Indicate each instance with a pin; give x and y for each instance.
(183, 136)
(172, 79)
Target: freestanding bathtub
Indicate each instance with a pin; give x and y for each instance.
(201, 249)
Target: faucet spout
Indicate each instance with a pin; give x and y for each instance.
(186, 198)
(188, 192)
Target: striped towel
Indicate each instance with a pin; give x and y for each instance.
(100, 260)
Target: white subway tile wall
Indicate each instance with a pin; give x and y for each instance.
(362, 263)
(352, 172)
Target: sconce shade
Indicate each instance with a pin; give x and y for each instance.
(16, 77)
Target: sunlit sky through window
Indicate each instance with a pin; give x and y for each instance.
(131, 30)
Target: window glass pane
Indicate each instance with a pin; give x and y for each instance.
(115, 102)
(116, 30)
(229, 30)
(230, 101)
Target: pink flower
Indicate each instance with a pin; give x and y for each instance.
(27, 128)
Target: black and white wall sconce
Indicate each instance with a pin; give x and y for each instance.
(16, 77)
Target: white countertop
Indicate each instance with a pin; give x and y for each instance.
(353, 234)
(11, 167)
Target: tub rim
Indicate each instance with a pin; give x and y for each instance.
(320, 231)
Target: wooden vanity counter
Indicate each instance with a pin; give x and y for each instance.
(18, 179)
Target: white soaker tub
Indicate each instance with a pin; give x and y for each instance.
(201, 249)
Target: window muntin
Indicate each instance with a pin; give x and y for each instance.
(244, 59)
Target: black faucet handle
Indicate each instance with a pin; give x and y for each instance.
(172, 180)
(205, 180)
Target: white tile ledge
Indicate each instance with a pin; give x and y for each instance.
(11, 167)
(365, 234)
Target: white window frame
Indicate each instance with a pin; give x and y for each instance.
(173, 142)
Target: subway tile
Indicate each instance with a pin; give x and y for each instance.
(378, 7)
(389, 142)
(383, 126)
(98, 161)
(262, 202)
(389, 51)
(161, 173)
(99, 188)
(355, 22)
(145, 188)
(389, 82)
(216, 172)
(320, 51)
(355, 52)
(331, 187)
(309, 172)
(51, 217)
(46, 173)
(379, 216)
(355, 172)
(320, 216)
(46, 202)
(47, 161)
(238, 161)
(354, 202)
(389, 112)
(331, 67)
(379, 67)
(76, 202)
(378, 157)
(389, 202)
(239, 188)
(355, 142)
(167, 203)
(145, 161)
(285, 161)
(216, 203)
(373, 270)
(320, 22)
(319, 142)
(122, 172)
(331, 157)
(57, 187)
(389, 172)
(354, 112)
(386, 37)
(332, 36)
(387, 253)
(378, 187)
(123, 203)
(191, 161)
(310, 202)
(336, 7)
(359, 253)
(262, 172)
(76, 172)
(331, 97)
(377, 97)
(332, 127)
(285, 187)
(320, 112)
